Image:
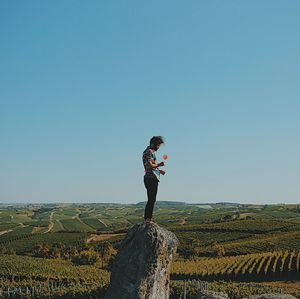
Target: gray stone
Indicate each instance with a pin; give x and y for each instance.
(141, 268)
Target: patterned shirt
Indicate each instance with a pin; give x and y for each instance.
(149, 155)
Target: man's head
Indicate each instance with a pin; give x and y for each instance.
(156, 141)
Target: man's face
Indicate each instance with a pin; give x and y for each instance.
(156, 147)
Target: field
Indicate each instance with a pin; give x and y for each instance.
(251, 267)
(243, 249)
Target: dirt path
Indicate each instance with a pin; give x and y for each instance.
(102, 237)
(5, 232)
(21, 225)
(61, 225)
(77, 216)
(102, 222)
(51, 223)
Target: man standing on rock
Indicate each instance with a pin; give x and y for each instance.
(152, 174)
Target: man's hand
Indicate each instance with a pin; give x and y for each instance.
(162, 171)
(154, 165)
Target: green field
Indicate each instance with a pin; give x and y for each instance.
(251, 267)
(230, 246)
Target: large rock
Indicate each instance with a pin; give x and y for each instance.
(141, 267)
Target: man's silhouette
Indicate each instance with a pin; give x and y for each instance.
(152, 174)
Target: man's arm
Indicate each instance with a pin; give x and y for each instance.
(151, 161)
(154, 165)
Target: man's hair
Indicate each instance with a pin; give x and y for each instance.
(156, 140)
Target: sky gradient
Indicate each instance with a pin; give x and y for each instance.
(85, 85)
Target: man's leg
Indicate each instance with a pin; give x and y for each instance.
(151, 186)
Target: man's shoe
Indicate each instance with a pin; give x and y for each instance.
(148, 220)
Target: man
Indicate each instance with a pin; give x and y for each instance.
(152, 174)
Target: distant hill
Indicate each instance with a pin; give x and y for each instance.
(163, 203)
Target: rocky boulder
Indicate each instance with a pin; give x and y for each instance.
(141, 267)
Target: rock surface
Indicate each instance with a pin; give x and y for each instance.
(141, 267)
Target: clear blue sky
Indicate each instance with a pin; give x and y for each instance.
(86, 84)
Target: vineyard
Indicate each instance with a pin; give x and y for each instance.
(25, 243)
(53, 277)
(76, 225)
(257, 226)
(235, 290)
(283, 241)
(17, 268)
(234, 248)
(251, 267)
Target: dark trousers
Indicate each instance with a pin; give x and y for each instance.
(151, 184)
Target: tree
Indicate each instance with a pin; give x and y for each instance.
(186, 251)
(105, 250)
(196, 247)
(86, 257)
(217, 249)
(70, 251)
(57, 250)
(41, 250)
